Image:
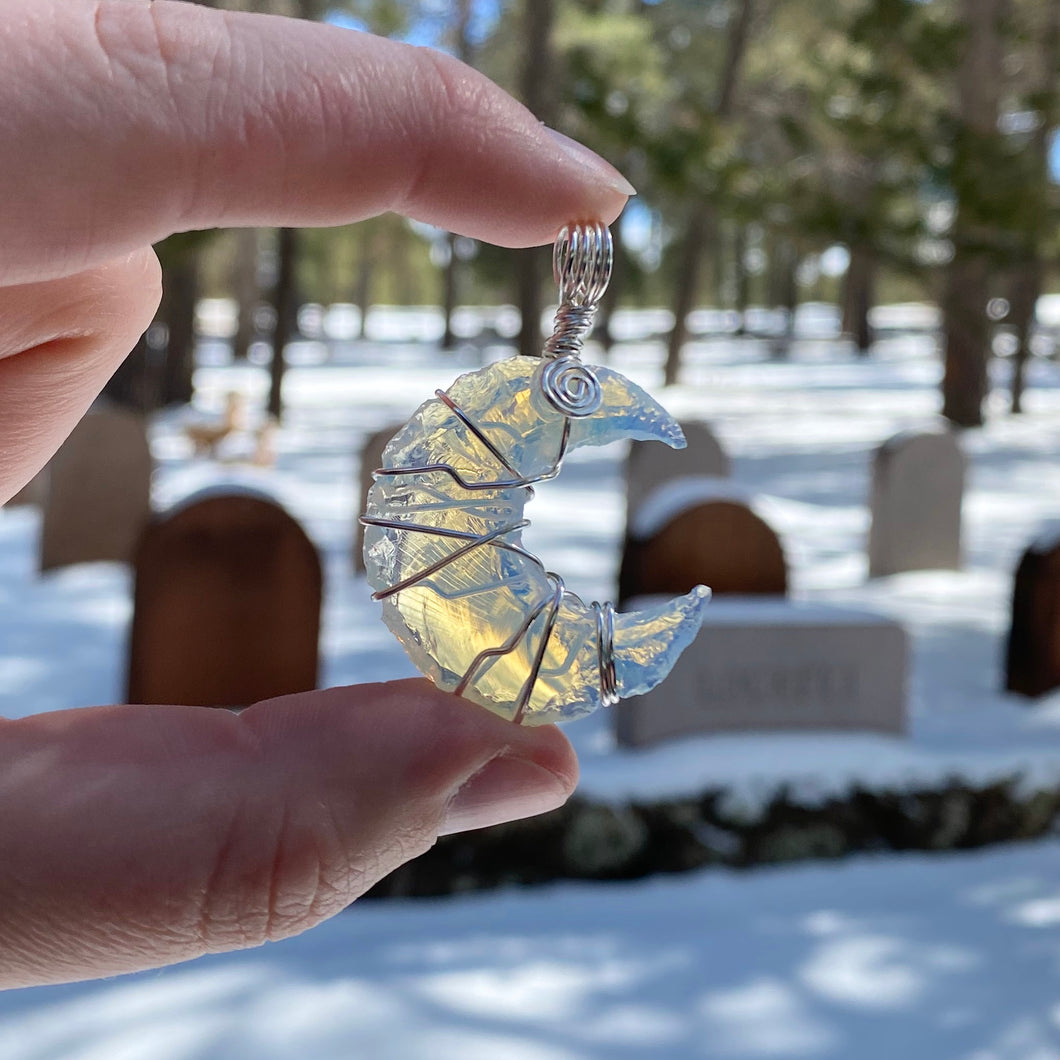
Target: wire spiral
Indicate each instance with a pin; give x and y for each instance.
(571, 387)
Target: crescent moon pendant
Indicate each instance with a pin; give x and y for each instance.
(476, 611)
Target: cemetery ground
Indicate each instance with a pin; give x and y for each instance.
(940, 955)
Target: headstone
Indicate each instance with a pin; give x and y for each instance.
(917, 485)
(99, 491)
(371, 460)
(651, 464)
(700, 532)
(775, 665)
(1032, 664)
(226, 607)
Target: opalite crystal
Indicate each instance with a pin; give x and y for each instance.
(486, 619)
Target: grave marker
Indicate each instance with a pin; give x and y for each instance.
(700, 532)
(1032, 658)
(650, 464)
(227, 605)
(774, 665)
(99, 491)
(917, 486)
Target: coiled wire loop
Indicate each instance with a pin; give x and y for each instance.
(581, 264)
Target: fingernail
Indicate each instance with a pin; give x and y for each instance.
(591, 160)
(504, 789)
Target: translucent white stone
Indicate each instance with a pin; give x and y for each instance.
(485, 619)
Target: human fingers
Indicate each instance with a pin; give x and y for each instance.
(60, 340)
(132, 837)
(125, 121)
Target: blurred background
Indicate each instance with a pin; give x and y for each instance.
(851, 153)
(833, 831)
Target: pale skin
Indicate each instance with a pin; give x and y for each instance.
(133, 837)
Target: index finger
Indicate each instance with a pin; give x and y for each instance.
(125, 121)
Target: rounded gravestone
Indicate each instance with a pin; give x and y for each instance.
(226, 606)
(1032, 658)
(99, 491)
(917, 488)
(371, 461)
(717, 541)
(650, 464)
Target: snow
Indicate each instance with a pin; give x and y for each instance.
(677, 496)
(801, 434)
(943, 957)
(928, 957)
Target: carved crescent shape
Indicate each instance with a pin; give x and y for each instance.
(477, 612)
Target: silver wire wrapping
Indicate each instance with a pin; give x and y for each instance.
(582, 257)
(495, 539)
(605, 652)
(571, 387)
(582, 260)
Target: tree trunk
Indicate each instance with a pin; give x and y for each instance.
(967, 338)
(742, 279)
(181, 292)
(735, 50)
(719, 269)
(530, 270)
(858, 295)
(608, 303)
(449, 294)
(285, 302)
(1027, 279)
(248, 293)
(782, 290)
(785, 295)
(1023, 299)
(465, 52)
(699, 226)
(965, 325)
(362, 294)
(703, 222)
(537, 92)
(400, 270)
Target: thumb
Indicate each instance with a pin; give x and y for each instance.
(132, 837)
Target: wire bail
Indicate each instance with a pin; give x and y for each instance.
(581, 265)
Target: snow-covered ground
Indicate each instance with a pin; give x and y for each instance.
(951, 956)
(801, 435)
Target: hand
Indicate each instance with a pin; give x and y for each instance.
(132, 837)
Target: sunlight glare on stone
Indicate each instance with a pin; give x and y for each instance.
(443, 548)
